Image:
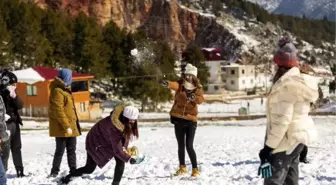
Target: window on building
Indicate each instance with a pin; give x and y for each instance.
(232, 82)
(82, 107)
(243, 81)
(232, 71)
(251, 81)
(79, 86)
(216, 88)
(31, 90)
(224, 81)
(243, 71)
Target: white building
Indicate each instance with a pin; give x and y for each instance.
(239, 77)
(213, 62)
(215, 84)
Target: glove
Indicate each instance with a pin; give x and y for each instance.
(7, 117)
(133, 151)
(11, 90)
(191, 97)
(163, 83)
(137, 160)
(265, 170)
(68, 132)
(265, 154)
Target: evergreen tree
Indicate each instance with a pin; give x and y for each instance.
(145, 88)
(90, 54)
(58, 30)
(29, 46)
(5, 48)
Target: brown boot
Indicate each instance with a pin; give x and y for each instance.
(195, 172)
(181, 171)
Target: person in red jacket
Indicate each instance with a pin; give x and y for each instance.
(109, 139)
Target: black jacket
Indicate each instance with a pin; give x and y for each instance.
(13, 105)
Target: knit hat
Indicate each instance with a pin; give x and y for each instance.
(190, 69)
(8, 78)
(131, 112)
(66, 76)
(286, 56)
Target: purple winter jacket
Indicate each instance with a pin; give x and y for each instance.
(105, 140)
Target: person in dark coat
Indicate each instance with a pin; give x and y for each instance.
(109, 139)
(12, 104)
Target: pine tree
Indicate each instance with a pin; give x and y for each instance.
(90, 54)
(5, 48)
(58, 30)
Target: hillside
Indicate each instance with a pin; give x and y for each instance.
(178, 25)
(310, 8)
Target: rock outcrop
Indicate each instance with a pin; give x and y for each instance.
(165, 20)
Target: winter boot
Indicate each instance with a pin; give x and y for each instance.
(115, 183)
(181, 171)
(65, 180)
(304, 160)
(19, 173)
(195, 172)
(52, 175)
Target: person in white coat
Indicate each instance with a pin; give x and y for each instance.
(289, 127)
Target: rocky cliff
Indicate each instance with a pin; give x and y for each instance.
(161, 19)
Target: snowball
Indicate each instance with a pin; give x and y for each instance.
(134, 52)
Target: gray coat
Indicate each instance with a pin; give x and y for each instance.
(3, 127)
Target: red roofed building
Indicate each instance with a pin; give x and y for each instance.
(33, 88)
(214, 62)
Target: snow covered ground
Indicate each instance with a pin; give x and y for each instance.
(227, 155)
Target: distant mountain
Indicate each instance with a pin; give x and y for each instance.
(316, 9)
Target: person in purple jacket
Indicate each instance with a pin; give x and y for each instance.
(107, 139)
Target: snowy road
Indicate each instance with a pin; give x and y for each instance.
(227, 156)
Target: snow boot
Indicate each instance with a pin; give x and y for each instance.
(19, 173)
(181, 171)
(304, 160)
(52, 175)
(195, 172)
(65, 180)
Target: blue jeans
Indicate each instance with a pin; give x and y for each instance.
(3, 177)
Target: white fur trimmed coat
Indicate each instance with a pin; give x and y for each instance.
(288, 105)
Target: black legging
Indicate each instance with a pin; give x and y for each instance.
(91, 165)
(303, 154)
(185, 134)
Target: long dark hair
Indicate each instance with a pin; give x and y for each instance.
(195, 81)
(280, 72)
(131, 129)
